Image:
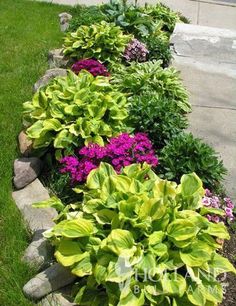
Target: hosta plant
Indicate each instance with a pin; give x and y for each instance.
(151, 77)
(103, 41)
(138, 240)
(73, 110)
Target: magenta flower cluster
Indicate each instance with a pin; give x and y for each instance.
(136, 51)
(121, 151)
(214, 201)
(91, 65)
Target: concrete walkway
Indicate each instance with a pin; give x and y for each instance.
(206, 57)
(212, 13)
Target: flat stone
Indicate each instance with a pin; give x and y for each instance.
(38, 219)
(52, 279)
(25, 144)
(26, 170)
(55, 299)
(56, 59)
(64, 19)
(49, 75)
(39, 254)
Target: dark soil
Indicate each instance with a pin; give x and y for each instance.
(229, 251)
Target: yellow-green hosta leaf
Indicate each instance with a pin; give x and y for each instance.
(156, 237)
(218, 230)
(182, 229)
(75, 228)
(84, 267)
(97, 176)
(209, 210)
(219, 265)
(121, 242)
(152, 208)
(35, 130)
(105, 216)
(173, 283)
(52, 124)
(195, 294)
(69, 252)
(147, 264)
(213, 291)
(52, 202)
(128, 298)
(197, 255)
(63, 139)
(121, 182)
(119, 271)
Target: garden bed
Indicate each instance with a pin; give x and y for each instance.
(139, 205)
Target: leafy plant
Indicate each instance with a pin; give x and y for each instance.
(103, 41)
(73, 110)
(158, 116)
(159, 49)
(91, 65)
(185, 154)
(138, 240)
(151, 77)
(86, 15)
(121, 151)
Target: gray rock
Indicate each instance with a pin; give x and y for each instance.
(25, 144)
(56, 59)
(39, 253)
(49, 75)
(64, 21)
(52, 279)
(55, 299)
(26, 170)
(38, 219)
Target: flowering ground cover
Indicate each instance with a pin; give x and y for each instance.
(140, 228)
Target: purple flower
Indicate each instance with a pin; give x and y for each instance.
(93, 66)
(135, 51)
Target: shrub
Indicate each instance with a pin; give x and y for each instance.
(103, 41)
(151, 77)
(135, 51)
(159, 116)
(73, 110)
(121, 151)
(138, 240)
(92, 66)
(86, 15)
(185, 154)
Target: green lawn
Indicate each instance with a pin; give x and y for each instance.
(27, 31)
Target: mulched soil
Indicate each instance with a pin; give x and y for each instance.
(229, 251)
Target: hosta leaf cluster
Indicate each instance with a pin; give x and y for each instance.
(138, 240)
(139, 78)
(73, 110)
(103, 41)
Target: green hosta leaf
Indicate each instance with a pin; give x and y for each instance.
(181, 230)
(121, 242)
(36, 130)
(147, 264)
(197, 255)
(218, 230)
(121, 182)
(74, 228)
(63, 139)
(128, 298)
(52, 202)
(105, 216)
(219, 265)
(96, 177)
(195, 294)
(209, 210)
(84, 267)
(156, 237)
(173, 283)
(119, 271)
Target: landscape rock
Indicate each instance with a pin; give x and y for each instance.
(25, 144)
(49, 75)
(26, 170)
(64, 21)
(37, 219)
(52, 279)
(55, 299)
(39, 253)
(56, 59)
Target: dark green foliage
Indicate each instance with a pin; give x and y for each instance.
(186, 154)
(157, 116)
(86, 15)
(158, 49)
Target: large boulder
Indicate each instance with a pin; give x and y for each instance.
(26, 170)
(37, 219)
(48, 76)
(52, 279)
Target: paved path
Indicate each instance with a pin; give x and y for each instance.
(206, 57)
(213, 13)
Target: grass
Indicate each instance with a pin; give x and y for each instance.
(27, 31)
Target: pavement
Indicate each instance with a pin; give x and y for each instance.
(206, 57)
